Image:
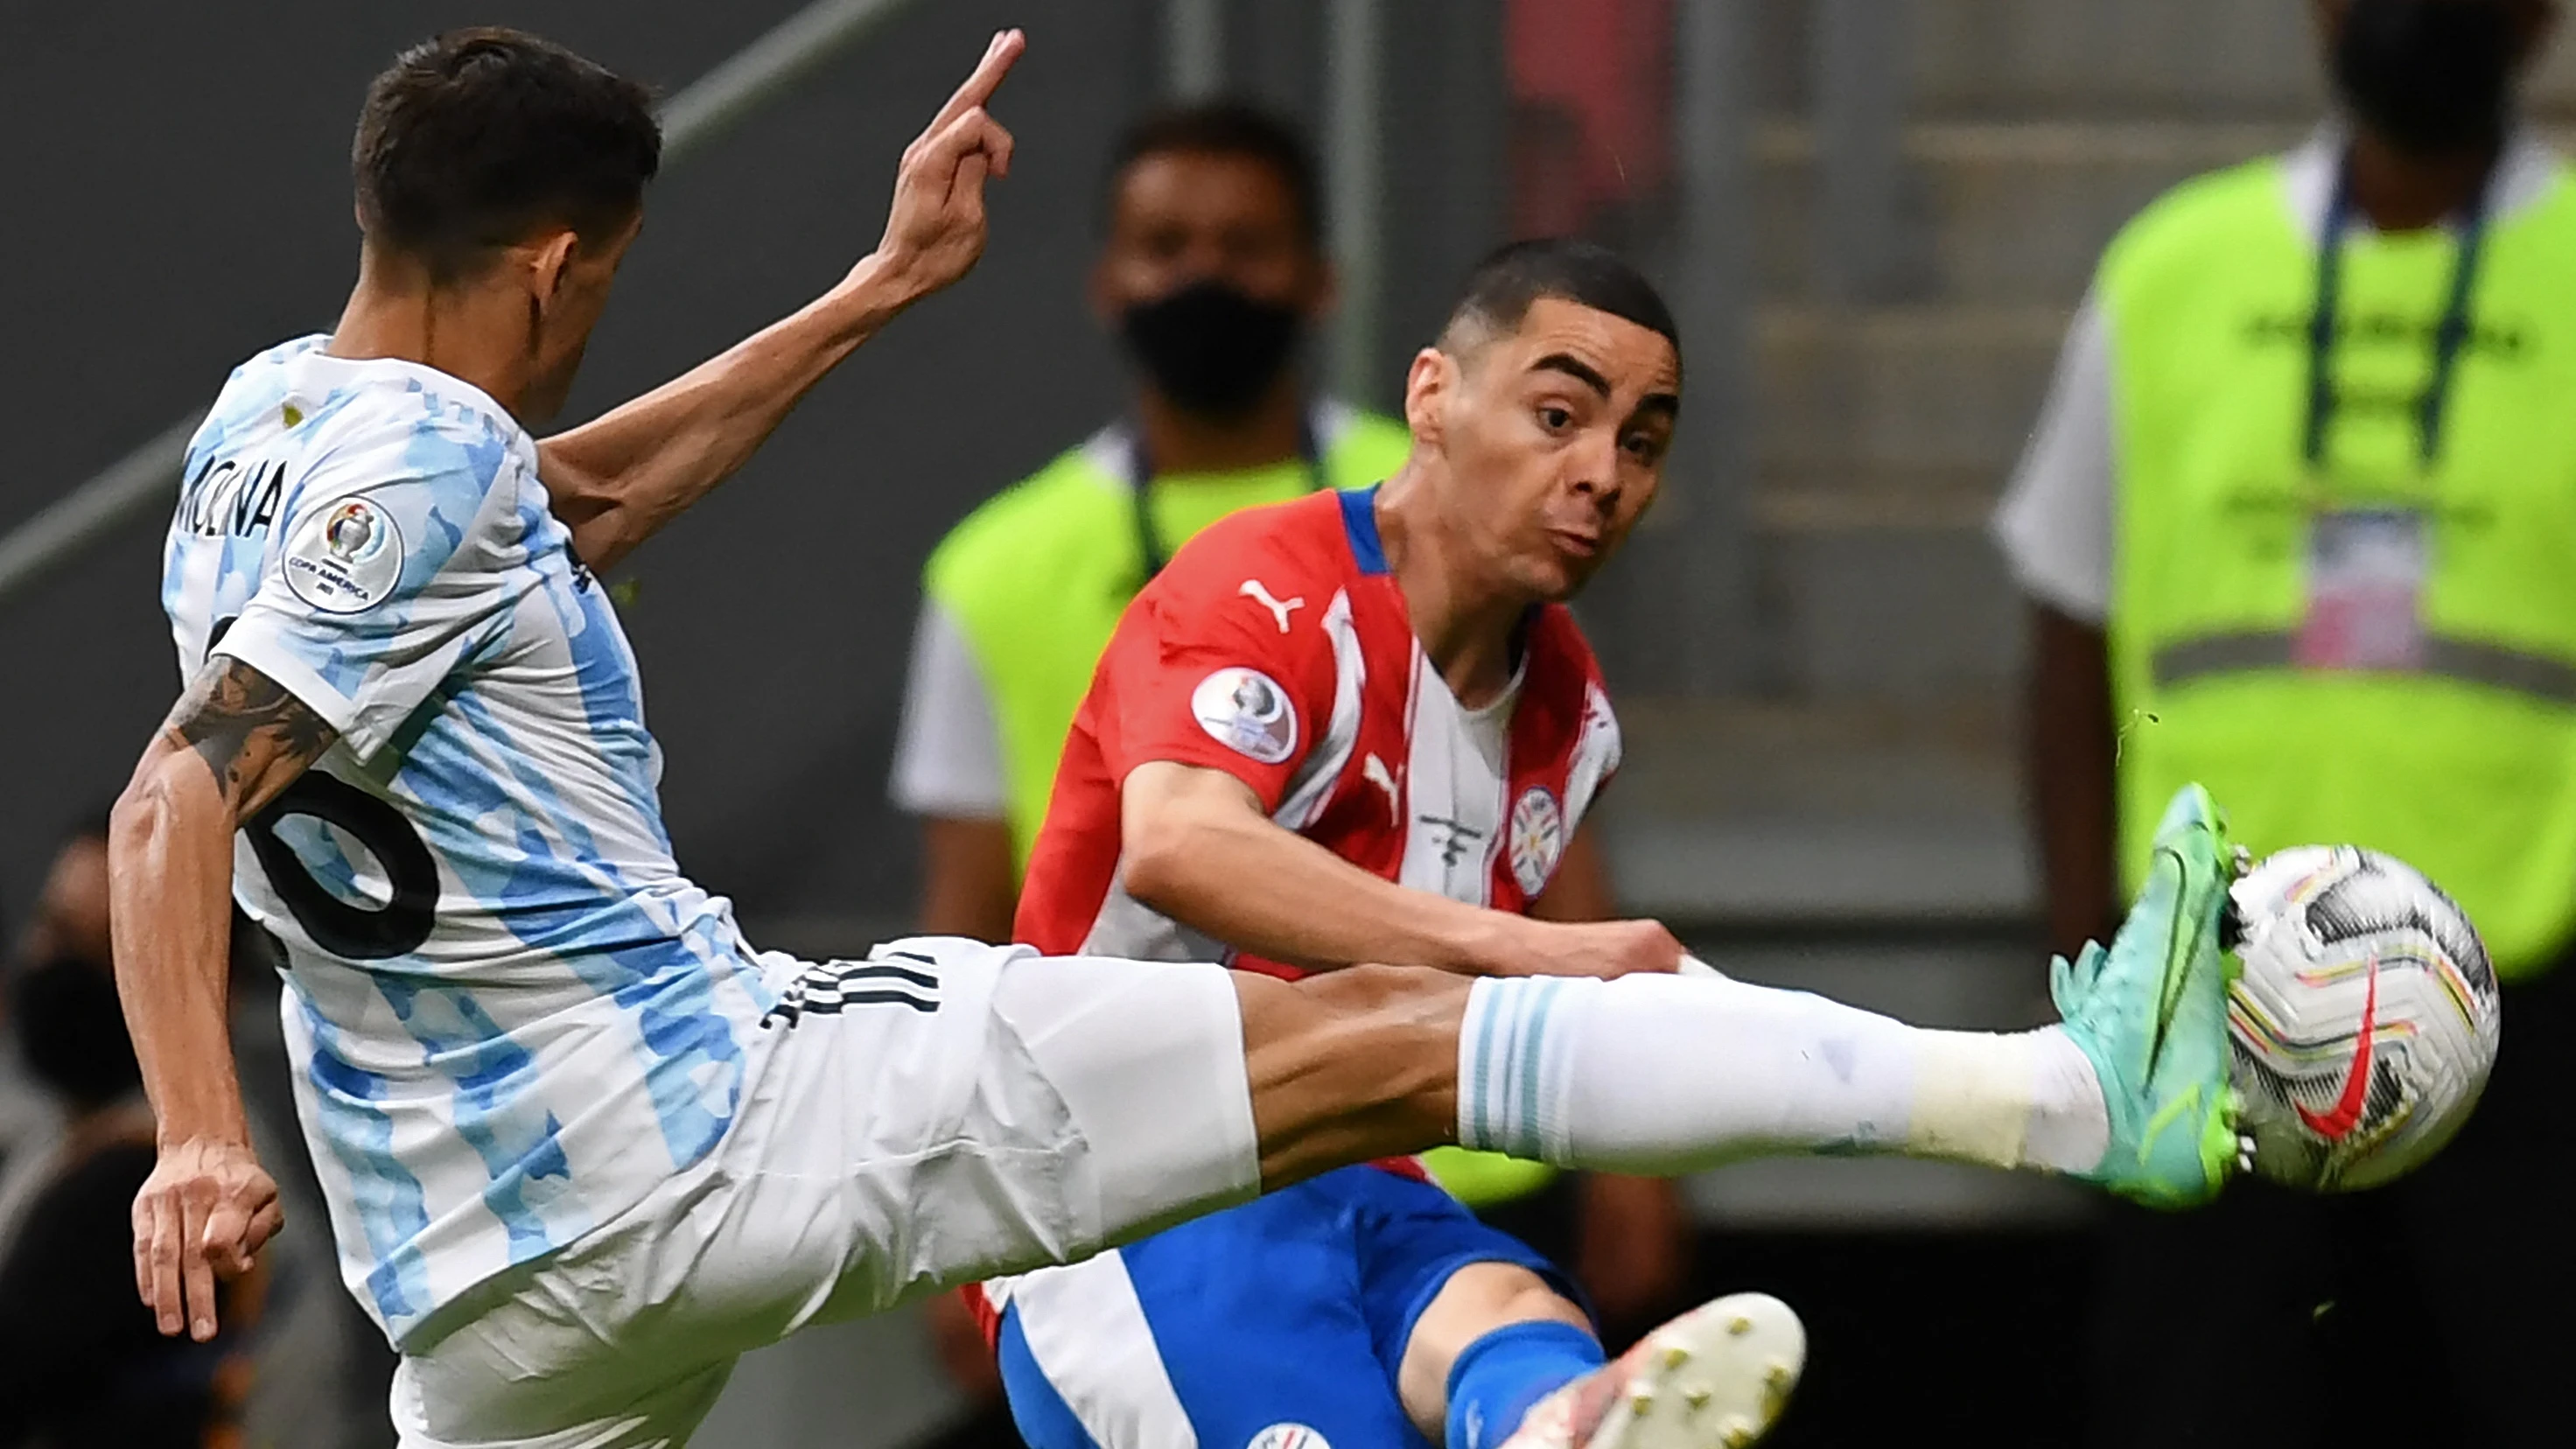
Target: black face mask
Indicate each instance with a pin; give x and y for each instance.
(1210, 348)
(2430, 77)
(72, 1032)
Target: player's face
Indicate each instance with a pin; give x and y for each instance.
(570, 295)
(1180, 217)
(1554, 436)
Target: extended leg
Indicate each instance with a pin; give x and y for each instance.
(1668, 1074)
(1652, 1074)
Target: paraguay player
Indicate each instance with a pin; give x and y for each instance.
(1364, 727)
(1390, 676)
(581, 1144)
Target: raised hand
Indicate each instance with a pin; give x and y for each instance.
(935, 231)
(203, 1215)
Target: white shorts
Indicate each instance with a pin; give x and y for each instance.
(945, 1112)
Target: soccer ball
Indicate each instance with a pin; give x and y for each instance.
(2364, 1023)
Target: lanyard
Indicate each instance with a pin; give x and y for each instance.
(2450, 335)
(1140, 478)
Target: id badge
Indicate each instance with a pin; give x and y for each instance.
(2366, 571)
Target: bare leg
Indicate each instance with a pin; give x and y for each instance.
(1477, 1299)
(1350, 1066)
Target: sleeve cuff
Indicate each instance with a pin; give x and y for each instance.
(1268, 783)
(261, 649)
(2072, 592)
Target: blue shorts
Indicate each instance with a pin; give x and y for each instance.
(1290, 1312)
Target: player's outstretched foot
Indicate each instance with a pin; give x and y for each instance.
(1715, 1378)
(2151, 1014)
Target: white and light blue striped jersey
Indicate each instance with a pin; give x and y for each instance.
(511, 1015)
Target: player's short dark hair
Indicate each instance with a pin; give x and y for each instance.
(1224, 128)
(1501, 289)
(474, 138)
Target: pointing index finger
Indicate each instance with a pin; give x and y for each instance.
(998, 59)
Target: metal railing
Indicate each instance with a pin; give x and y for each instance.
(784, 55)
(1354, 182)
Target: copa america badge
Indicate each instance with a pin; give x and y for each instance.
(346, 558)
(1246, 711)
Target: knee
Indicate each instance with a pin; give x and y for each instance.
(1351, 1065)
(1399, 994)
(1371, 1021)
(1482, 1297)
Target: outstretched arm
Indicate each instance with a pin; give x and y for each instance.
(235, 740)
(616, 480)
(1195, 836)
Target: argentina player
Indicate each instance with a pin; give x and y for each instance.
(581, 1144)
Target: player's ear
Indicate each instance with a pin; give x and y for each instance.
(547, 256)
(1427, 386)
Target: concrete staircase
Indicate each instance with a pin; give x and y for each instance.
(2034, 129)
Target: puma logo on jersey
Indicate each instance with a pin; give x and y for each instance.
(1374, 771)
(1259, 593)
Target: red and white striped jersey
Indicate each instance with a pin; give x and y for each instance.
(1276, 647)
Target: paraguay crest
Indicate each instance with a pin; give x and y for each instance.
(1537, 838)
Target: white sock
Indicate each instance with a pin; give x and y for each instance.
(1663, 1074)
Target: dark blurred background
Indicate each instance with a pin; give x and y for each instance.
(1875, 215)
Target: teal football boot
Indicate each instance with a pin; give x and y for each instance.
(2151, 1015)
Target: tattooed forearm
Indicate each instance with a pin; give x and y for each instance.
(251, 733)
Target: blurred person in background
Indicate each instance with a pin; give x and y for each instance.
(1212, 273)
(80, 1361)
(2296, 523)
(28, 1121)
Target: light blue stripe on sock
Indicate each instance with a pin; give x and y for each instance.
(1508, 1066)
(1516, 1083)
(1504, 1012)
(1525, 1139)
(1473, 1128)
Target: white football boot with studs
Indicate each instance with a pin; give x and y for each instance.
(1717, 1377)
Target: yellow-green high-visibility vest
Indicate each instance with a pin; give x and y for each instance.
(1037, 578)
(2459, 758)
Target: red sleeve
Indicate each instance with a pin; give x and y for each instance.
(1206, 673)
